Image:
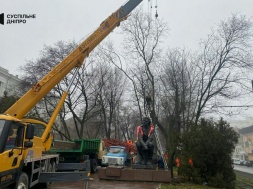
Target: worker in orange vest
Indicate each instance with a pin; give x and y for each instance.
(144, 144)
(190, 161)
(177, 162)
(129, 142)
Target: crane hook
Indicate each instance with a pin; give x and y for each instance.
(156, 14)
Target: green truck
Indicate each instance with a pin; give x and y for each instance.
(80, 150)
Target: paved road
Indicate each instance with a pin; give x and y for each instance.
(244, 169)
(108, 184)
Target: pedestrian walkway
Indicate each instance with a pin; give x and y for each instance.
(243, 169)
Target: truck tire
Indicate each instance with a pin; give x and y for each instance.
(22, 181)
(128, 163)
(46, 184)
(93, 165)
(53, 166)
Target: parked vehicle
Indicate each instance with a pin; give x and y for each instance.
(78, 150)
(237, 161)
(248, 163)
(116, 156)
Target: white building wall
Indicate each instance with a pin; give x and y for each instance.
(8, 82)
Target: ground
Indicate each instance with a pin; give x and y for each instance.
(102, 184)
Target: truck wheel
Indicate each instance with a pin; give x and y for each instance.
(93, 165)
(53, 167)
(22, 181)
(128, 163)
(46, 184)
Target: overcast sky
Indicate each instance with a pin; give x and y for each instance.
(67, 20)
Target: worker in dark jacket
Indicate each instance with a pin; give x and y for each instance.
(144, 144)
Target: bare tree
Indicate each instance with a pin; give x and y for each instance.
(80, 104)
(192, 86)
(109, 99)
(175, 100)
(142, 51)
(178, 82)
(127, 117)
(223, 63)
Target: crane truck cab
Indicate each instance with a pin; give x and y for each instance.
(15, 141)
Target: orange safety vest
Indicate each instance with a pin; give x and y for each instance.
(139, 130)
(190, 161)
(129, 142)
(177, 162)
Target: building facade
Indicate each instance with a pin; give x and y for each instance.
(244, 147)
(247, 140)
(8, 83)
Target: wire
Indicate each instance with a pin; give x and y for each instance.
(156, 14)
(149, 7)
(235, 106)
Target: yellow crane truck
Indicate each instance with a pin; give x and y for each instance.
(24, 142)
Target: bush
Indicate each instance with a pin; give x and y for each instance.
(210, 146)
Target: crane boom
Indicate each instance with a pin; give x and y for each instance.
(24, 142)
(74, 59)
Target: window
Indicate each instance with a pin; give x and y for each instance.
(15, 136)
(2, 122)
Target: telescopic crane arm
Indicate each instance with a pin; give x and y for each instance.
(73, 60)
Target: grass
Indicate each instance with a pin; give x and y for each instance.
(186, 185)
(176, 184)
(183, 186)
(242, 181)
(245, 179)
